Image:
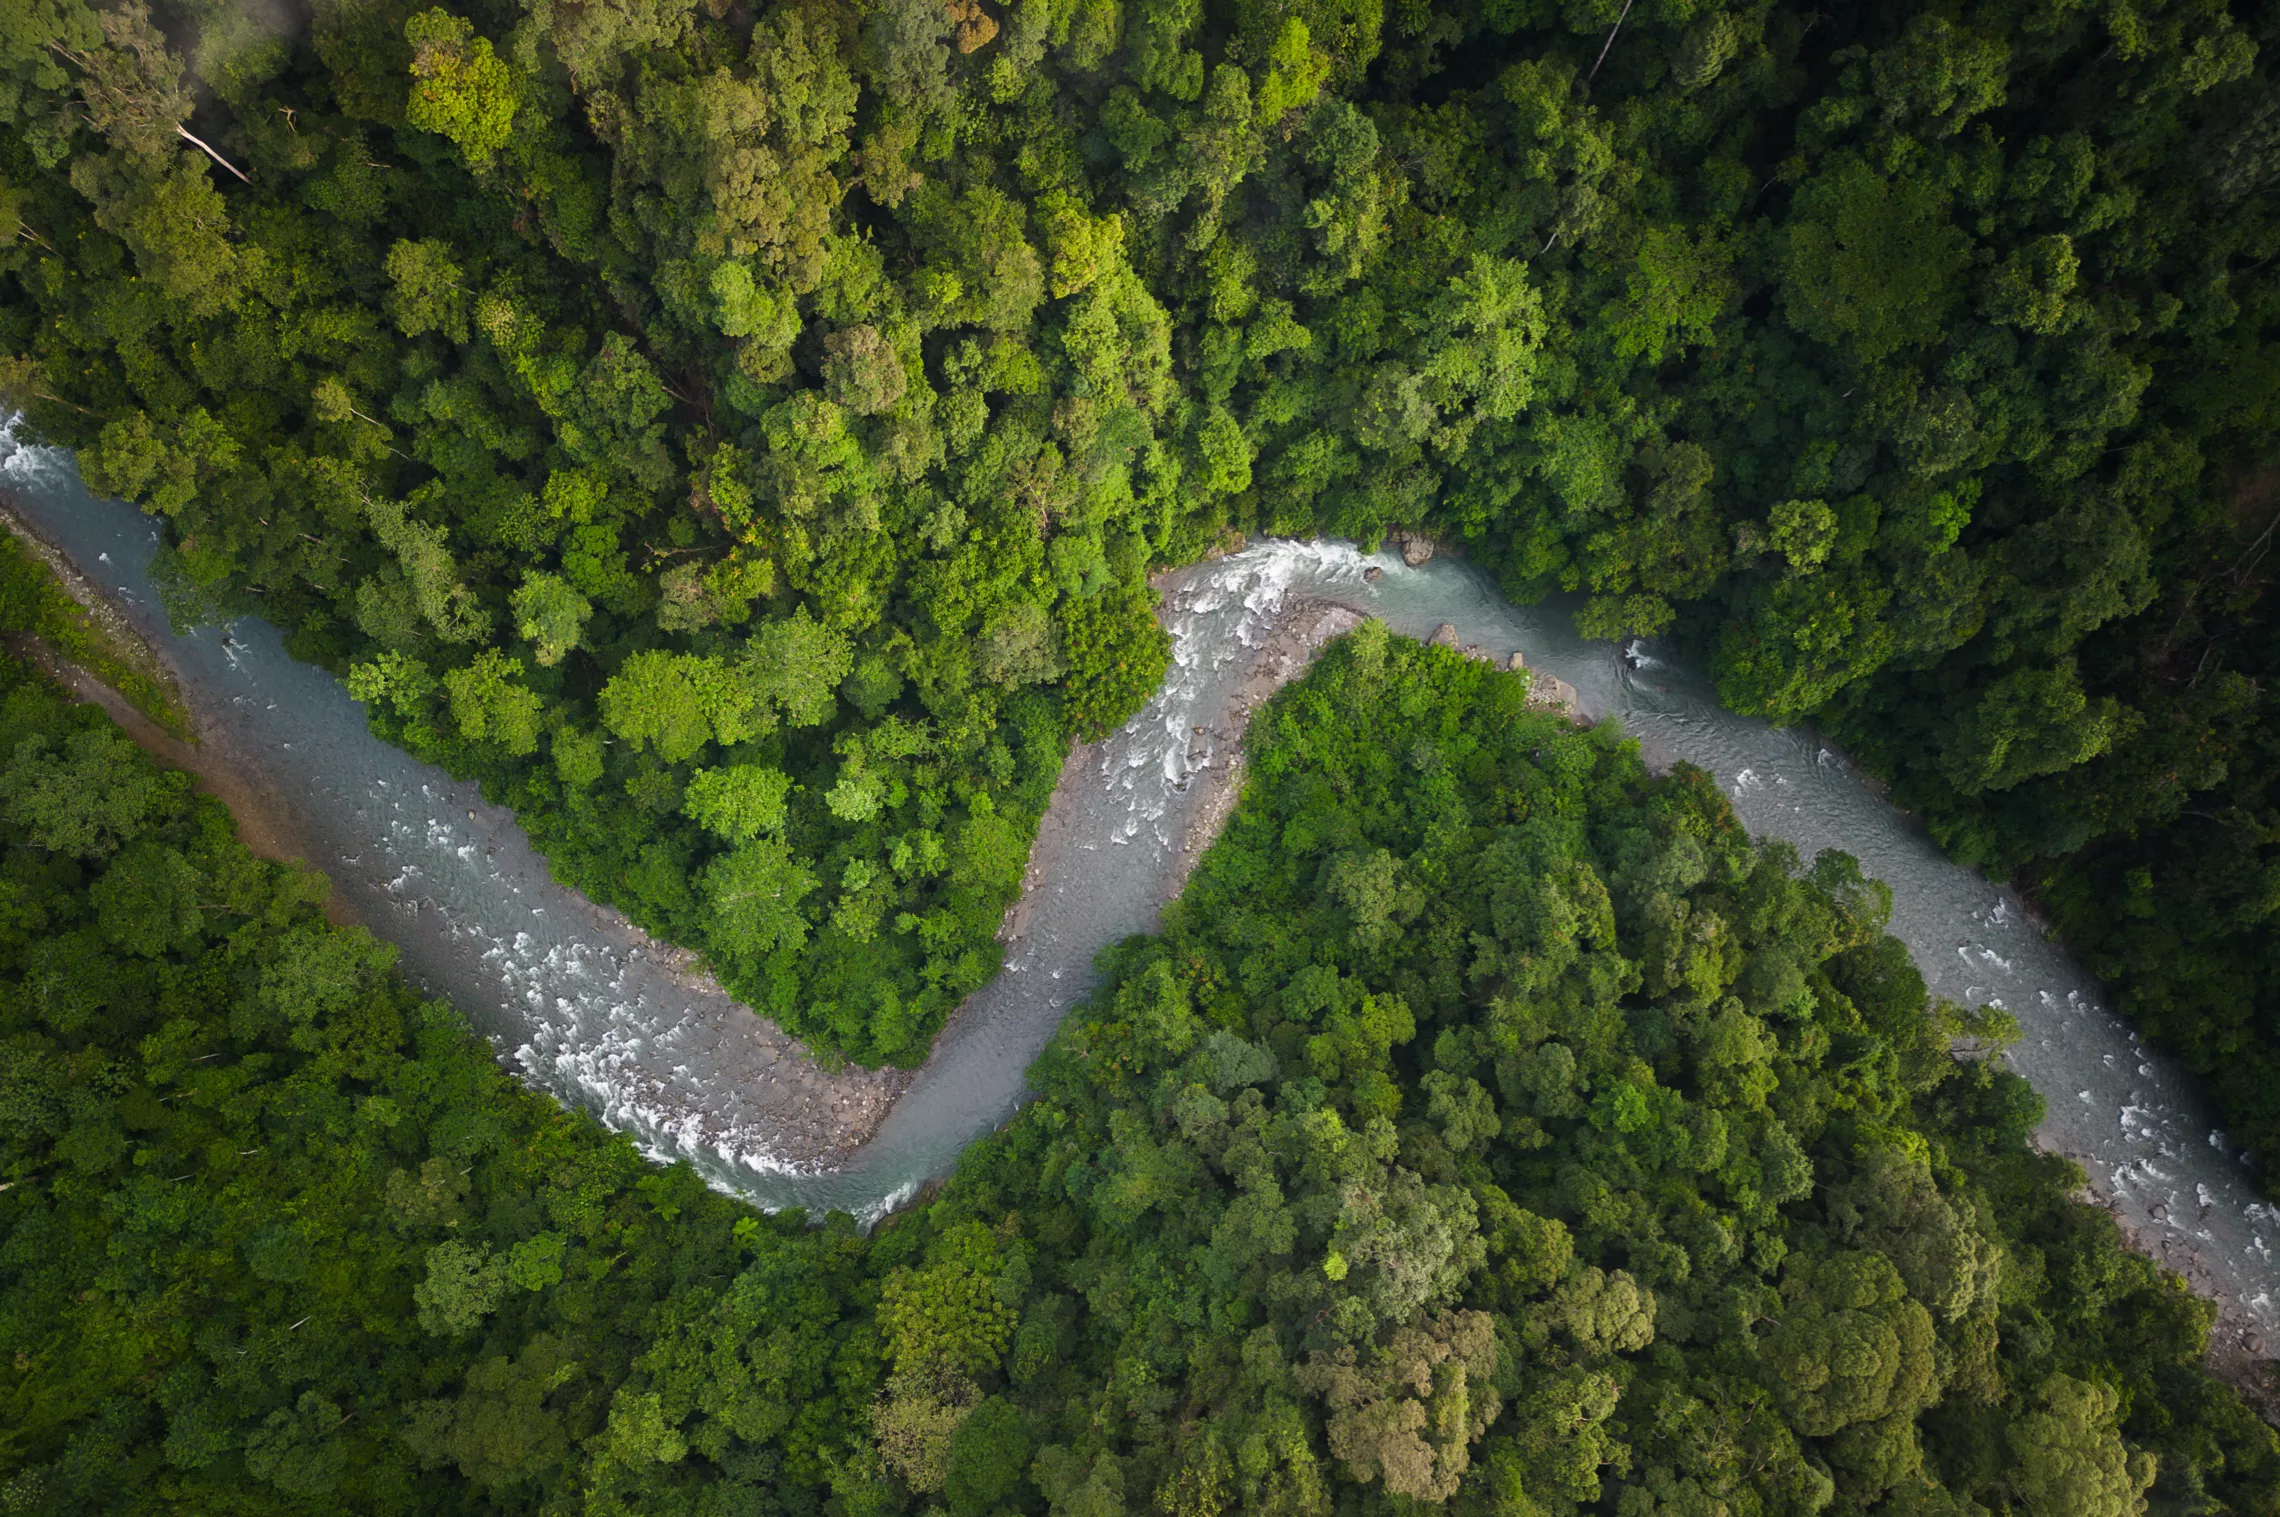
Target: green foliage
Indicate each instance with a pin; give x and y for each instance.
(34, 602)
(460, 89)
(1494, 1125)
(1872, 262)
(551, 615)
(276, 1233)
(1117, 655)
(1652, 1183)
(815, 371)
(490, 707)
(740, 802)
(755, 894)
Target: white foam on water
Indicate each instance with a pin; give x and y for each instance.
(592, 1018)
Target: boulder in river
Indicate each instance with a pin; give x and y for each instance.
(1548, 692)
(1444, 636)
(1517, 662)
(1416, 549)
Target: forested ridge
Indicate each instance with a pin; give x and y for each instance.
(741, 435)
(1493, 1127)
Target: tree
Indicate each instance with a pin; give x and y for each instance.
(2072, 1459)
(551, 615)
(132, 85)
(163, 467)
(1803, 531)
(1017, 645)
(909, 42)
(862, 371)
(755, 894)
(1411, 1414)
(1117, 653)
(916, 1424)
(460, 89)
(1852, 1347)
(428, 293)
(2029, 722)
(1939, 74)
(988, 1458)
(1079, 247)
(1871, 263)
(740, 802)
(147, 900)
(675, 703)
(84, 798)
(294, 1450)
(2029, 288)
(745, 309)
(499, 1430)
(463, 1286)
(430, 572)
(490, 706)
(799, 664)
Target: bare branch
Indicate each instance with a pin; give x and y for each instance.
(1610, 42)
(184, 132)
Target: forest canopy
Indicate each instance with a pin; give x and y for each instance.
(741, 435)
(1493, 1128)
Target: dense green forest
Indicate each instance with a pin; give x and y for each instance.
(1493, 1127)
(741, 435)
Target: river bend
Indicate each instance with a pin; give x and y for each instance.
(584, 1006)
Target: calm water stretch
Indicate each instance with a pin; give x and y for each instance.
(584, 1007)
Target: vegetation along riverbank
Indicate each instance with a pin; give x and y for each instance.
(1492, 1125)
(742, 439)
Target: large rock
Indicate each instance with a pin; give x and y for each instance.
(1416, 549)
(1548, 692)
(1519, 661)
(1444, 636)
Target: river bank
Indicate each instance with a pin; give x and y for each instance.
(584, 1003)
(586, 1007)
(574, 997)
(170, 735)
(2133, 1123)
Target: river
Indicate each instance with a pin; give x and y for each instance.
(585, 1006)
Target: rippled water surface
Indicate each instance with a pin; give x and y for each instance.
(584, 1007)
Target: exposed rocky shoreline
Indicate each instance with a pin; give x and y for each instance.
(2239, 1354)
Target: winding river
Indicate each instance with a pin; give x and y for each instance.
(585, 1006)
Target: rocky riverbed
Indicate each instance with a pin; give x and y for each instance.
(572, 994)
(586, 1006)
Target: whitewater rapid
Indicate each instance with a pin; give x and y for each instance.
(583, 1006)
